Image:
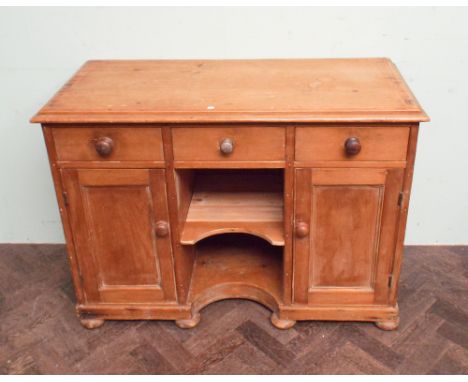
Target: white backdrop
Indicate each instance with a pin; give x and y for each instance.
(40, 48)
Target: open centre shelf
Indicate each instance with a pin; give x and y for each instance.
(232, 201)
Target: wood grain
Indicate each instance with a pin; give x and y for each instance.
(306, 90)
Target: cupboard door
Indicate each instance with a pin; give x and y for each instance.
(121, 234)
(345, 234)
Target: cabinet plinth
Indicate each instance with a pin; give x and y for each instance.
(289, 187)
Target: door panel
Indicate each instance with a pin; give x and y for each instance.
(345, 229)
(113, 214)
(347, 254)
(122, 261)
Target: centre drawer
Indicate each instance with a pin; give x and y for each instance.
(229, 143)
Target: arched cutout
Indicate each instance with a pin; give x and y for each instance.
(236, 265)
(273, 235)
(229, 291)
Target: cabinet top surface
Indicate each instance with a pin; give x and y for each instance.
(198, 91)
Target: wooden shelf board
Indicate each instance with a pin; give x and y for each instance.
(213, 212)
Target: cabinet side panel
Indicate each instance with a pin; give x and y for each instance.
(407, 182)
(390, 215)
(81, 236)
(51, 152)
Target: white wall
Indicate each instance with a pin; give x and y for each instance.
(41, 48)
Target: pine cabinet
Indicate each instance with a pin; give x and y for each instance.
(285, 182)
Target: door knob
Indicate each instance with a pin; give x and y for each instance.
(162, 228)
(104, 146)
(302, 229)
(226, 146)
(352, 146)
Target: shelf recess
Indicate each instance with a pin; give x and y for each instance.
(216, 210)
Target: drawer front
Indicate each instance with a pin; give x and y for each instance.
(108, 143)
(238, 143)
(363, 143)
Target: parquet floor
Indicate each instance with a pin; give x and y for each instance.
(39, 333)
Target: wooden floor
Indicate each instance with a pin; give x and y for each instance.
(40, 334)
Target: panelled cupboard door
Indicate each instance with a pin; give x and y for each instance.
(119, 220)
(346, 222)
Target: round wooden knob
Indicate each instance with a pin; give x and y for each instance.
(352, 146)
(226, 146)
(302, 229)
(162, 228)
(104, 146)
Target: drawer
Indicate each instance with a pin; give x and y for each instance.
(229, 143)
(108, 143)
(351, 143)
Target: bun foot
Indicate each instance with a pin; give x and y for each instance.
(281, 323)
(189, 323)
(390, 324)
(91, 323)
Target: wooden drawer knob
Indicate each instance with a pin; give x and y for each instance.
(302, 229)
(162, 228)
(104, 146)
(352, 146)
(226, 146)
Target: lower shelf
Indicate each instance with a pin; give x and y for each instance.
(236, 266)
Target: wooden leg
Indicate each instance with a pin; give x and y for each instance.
(190, 322)
(92, 323)
(281, 323)
(390, 324)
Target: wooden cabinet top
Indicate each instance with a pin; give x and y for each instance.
(183, 91)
